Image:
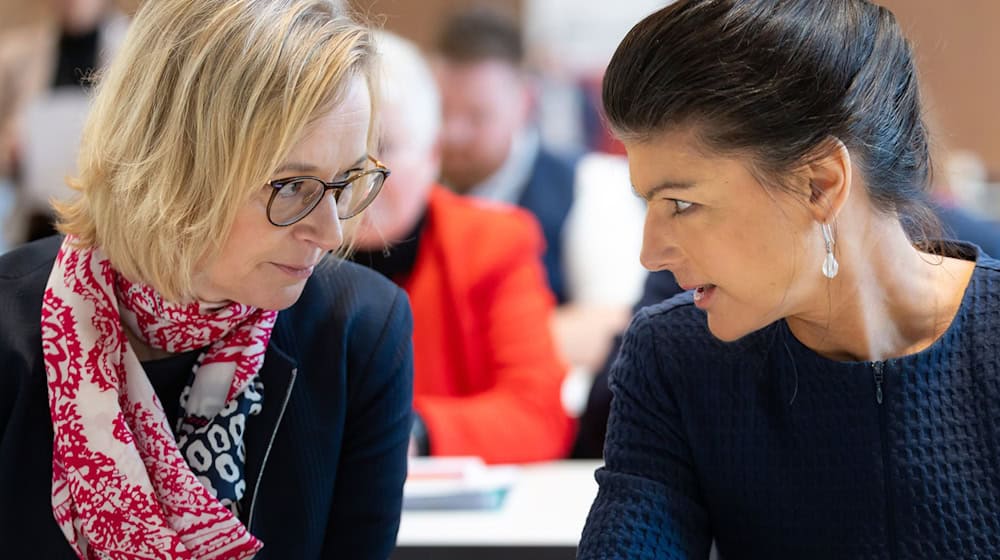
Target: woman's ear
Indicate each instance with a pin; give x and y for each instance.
(829, 181)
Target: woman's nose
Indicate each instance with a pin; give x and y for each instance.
(659, 249)
(322, 226)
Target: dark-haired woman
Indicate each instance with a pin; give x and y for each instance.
(828, 387)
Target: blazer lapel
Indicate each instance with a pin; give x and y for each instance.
(277, 374)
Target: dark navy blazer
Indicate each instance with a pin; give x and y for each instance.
(962, 225)
(326, 458)
(549, 195)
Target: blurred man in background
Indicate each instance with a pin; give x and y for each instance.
(491, 149)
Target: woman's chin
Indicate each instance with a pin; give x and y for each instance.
(726, 330)
(275, 300)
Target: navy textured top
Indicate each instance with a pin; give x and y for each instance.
(774, 451)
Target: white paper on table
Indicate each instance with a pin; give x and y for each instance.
(456, 483)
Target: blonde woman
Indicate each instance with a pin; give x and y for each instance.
(184, 376)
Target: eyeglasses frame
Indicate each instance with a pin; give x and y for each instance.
(337, 187)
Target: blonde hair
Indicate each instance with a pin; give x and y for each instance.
(201, 105)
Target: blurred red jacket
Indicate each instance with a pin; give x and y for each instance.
(487, 376)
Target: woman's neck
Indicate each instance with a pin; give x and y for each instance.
(888, 300)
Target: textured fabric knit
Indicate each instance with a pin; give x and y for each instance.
(776, 452)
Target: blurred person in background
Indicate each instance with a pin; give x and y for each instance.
(961, 200)
(45, 69)
(828, 386)
(487, 375)
(184, 375)
(592, 425)
(491, 149)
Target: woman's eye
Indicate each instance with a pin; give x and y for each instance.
(290, 190)
(681, 206)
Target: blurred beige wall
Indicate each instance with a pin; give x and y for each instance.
(419, 20)
(958, 54)
(15, 13)
(956, 42)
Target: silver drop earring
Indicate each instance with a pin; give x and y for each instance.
(830, 264)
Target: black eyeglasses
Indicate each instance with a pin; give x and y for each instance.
(295, 197)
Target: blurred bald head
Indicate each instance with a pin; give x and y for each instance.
(408, 139)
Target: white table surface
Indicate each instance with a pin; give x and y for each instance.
(546, 506)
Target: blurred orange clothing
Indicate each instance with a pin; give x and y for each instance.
(487, 376)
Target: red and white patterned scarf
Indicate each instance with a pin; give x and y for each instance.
(120, 487)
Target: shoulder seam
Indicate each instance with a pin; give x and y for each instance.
(667, 305)
(989, 264)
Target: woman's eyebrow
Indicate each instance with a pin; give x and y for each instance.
(666, 185)
(300, 167)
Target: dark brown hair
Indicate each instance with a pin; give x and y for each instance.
(481, 34)
(776, 80)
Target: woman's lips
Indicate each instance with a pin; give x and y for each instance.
(703, 295)
(297, 272)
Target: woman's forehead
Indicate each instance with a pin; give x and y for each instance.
(337, 139)
(678, 160)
